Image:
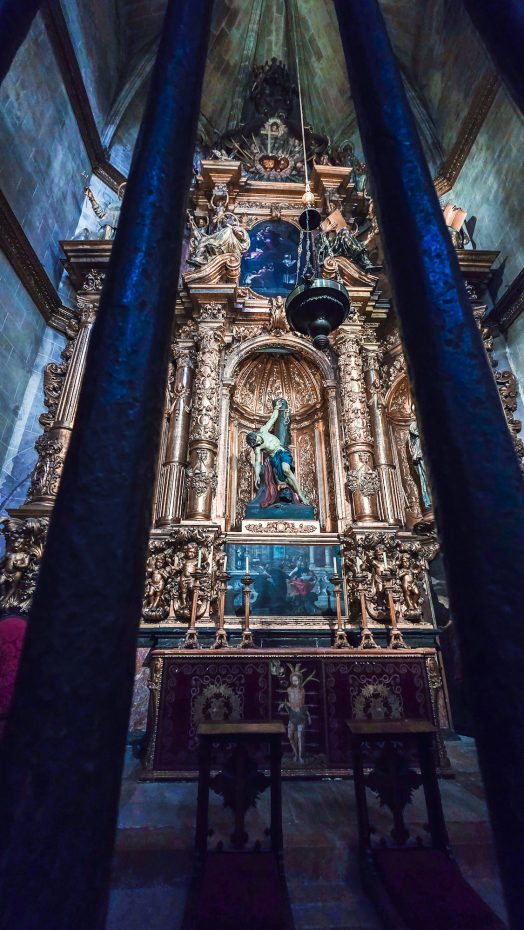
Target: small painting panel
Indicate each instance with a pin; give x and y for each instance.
(269, 266)
(288, 580)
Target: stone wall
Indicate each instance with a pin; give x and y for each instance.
(26, 346)
(491, 188)
(98, 37)
(42, 153)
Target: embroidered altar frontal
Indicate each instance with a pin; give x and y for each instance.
(313, 693)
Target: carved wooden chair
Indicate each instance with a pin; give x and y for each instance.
(232, 887)
(413, 886)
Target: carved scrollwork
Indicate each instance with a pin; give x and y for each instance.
(48, 469)
(54, 377)
(365, 481)
(280, 526)
(212, 312)
(508, 392)
(200, 478)
(277, 316)
(506, 384)
(94, 280)
(19, 567)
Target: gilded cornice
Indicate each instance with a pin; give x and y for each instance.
(452, 165)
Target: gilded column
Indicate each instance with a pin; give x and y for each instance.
(342, 505)
(223, 449)
(361, 477)
(179, 403)
(203, 431)
(62, 384)
(391, 504)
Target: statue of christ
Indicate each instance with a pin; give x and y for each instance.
(277, 465)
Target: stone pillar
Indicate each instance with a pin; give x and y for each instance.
(171, 489)
(65, 379)
(361, 478)
(64, 743)
(478, 492)
(391, 504)
(203, 432)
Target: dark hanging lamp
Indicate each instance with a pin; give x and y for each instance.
(317, 305)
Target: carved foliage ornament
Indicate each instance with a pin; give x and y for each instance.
(204, 419)
(280, 526)
(200, 478)
(48, 469)
(355, 415)
(370, 559)
(170, 573)
(19, 567)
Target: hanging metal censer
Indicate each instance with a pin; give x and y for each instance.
(318, 305)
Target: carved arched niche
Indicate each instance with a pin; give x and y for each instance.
(261, 377)
(398, 405)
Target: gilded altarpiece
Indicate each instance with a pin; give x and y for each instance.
(347, 420)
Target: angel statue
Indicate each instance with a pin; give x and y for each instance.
(274, 469)
(109, 215)
(228, 239)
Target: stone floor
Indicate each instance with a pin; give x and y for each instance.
(156, 829)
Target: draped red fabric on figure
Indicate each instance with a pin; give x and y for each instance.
(271, 492)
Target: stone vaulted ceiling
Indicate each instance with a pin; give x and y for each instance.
(440, 59)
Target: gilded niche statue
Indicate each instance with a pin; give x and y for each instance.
(337, 239)
(278, 488)
(417, 459)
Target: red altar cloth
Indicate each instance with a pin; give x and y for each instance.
(12, 633)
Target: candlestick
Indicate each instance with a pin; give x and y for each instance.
(357, 562)
(385, 561)
(221, 635)
(199, 563)
(335, 565)
(225, 563)
(247, 565)
(190, 640)
(247, 637)
(341, 639)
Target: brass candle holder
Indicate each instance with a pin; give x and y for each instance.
(190, 640)
(367, 640)
(221, 641)
(341, 639)
(247, 637)
(396, 640)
